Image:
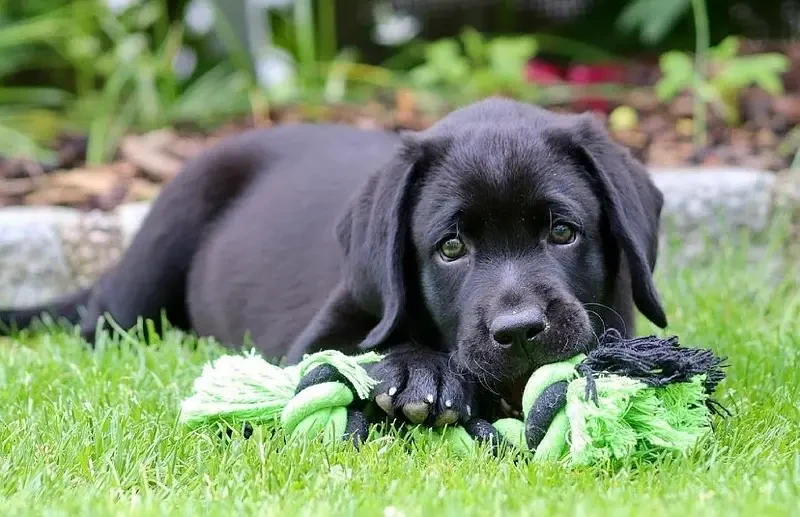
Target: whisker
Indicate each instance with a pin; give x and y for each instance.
(598, 316)
(483, 379)
(488, 373)
(457, 372)
(475, 374)
(617, 314)
(585, 346)
(605, 327)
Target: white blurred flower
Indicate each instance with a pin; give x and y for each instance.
(392, 27)
(275, 71)
(120, 6)
(185, 62)
(199, 16)
(131, 47)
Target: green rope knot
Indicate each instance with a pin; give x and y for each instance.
(626, 399)
(544, 427)
(309, 399)
(320, 409)
(543, 407)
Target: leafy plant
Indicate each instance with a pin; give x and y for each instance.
(114, 70)
(132, 57)
(109, 68)
(289, 45)
(30, 116)
(652, 19)
(474, 66)
(723, 78)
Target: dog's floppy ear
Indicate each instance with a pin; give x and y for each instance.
(633, 207)
(373, 235)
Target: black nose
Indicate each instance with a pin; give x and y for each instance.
(517, 327)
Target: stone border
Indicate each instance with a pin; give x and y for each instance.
(49, 251)
(716, 199)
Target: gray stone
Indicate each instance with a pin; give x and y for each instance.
(703, 207)
(32, 263)
(715, 200)
(787, 191)
(130, 217)
(91, 244)
(48, 251)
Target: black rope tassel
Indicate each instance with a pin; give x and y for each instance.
(652, 360)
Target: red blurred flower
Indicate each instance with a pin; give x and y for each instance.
(542, 72)
(595, 74)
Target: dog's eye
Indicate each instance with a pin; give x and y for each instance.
(562, 233)
(452, 248)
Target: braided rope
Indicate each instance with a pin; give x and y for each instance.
(318, 409)
(545, 424)
(322, 396)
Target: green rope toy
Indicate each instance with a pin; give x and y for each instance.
(626, 399)
(308, 399)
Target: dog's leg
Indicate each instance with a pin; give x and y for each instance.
(151, 276)
(416, 383)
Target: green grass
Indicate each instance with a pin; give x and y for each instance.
(85, 433)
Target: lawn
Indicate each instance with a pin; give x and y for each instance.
(96, 433)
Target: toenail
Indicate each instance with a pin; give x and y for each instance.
(392, 391)
(448, 403)
(416, 412)
(448, 417)
(429, 398)
(384, 401)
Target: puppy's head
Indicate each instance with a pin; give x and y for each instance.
(508, 234)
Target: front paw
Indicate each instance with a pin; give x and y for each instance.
(424, 388)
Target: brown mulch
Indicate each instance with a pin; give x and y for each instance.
(144, 163)
(663, 136)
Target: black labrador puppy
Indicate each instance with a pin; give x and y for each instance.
(500, 239)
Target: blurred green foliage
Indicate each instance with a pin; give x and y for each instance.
(474, 65)
(30, 37)
(105, 70)
(108, 67)
(110, 73)
(725, 75)
(653, 20)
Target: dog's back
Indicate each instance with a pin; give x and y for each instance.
(269, 262)
(255, 212)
